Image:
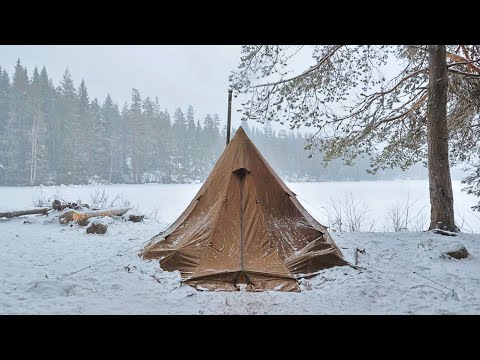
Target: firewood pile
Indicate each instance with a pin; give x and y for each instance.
(79, 213)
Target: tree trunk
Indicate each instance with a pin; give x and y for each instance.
(32, 152)
(441, 194)
(111, 162)
(33, 163)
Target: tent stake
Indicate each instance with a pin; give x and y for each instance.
(229, 115)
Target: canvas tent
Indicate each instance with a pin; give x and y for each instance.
(244, 226)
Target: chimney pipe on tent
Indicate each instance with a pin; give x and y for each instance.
(229, 115)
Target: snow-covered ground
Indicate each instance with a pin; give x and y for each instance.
(36, 255)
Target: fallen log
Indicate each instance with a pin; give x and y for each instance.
(24, 212)
(82, 215)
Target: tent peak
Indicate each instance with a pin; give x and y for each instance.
(240, 134)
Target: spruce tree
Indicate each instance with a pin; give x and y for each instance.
(38, 161)
(48, 99)
(84, 137)
(18, 130)
(148, 140)
(4, 116)
(179, 130)
(67, 129)
(98, 150)
(112, 123)
(125, 165)
(191, 149)
(136, 136)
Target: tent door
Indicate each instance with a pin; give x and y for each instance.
(241, 278)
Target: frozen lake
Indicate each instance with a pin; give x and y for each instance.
(373, 201)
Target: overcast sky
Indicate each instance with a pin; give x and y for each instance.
(178, 74)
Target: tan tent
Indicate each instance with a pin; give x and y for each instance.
(244, 226)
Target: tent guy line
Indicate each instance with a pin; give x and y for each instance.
(119, 253)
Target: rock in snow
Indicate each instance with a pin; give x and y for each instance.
(444, 247)
(97, 226)
(459, 253)
(135, 218)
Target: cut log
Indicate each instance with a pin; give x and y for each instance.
(24, 212)
(80, 215)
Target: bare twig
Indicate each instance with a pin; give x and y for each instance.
(157, 279)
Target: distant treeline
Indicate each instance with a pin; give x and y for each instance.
(58, 135)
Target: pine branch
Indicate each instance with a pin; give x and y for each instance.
(463, 73)
(463, 63)
(404, 114)
(461, 59)
(313, 68)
